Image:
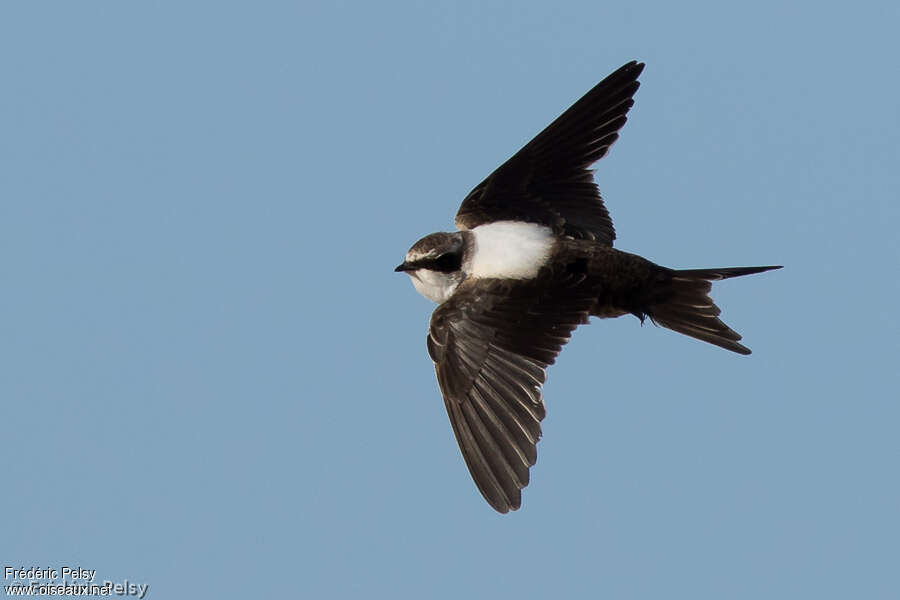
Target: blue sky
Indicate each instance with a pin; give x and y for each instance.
(212, 381)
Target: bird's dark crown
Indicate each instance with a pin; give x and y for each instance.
(442, 252)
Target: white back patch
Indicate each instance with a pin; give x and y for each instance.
(510, 250)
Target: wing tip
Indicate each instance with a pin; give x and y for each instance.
(633, 68)
(511, 504)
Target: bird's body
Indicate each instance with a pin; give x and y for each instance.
(532, 260)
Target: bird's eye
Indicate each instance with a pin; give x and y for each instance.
(448, 262)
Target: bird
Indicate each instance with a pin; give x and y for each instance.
(531, 259)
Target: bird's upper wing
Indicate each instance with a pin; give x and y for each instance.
(491, 343)
(549, 181)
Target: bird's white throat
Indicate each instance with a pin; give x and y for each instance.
(434, 285)
(509, 250)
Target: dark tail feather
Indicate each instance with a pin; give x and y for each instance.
(682, 304)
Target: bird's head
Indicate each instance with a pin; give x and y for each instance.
(434, 264)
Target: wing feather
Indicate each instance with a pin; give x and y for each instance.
(548, 181)
(491, 344)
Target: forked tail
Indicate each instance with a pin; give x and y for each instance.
(682, 304)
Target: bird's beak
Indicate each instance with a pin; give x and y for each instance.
(403, 267)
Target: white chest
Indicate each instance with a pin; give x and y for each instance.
(509, 250)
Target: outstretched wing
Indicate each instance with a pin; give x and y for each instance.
(549, 181)
(491, 344)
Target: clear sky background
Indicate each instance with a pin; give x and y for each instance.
(212, 381)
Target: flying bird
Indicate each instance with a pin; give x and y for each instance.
(533, 258)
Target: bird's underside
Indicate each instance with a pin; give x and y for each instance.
(533, 260)
(494, 339)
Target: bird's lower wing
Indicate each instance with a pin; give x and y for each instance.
(491, 344)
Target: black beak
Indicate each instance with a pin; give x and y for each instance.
(403, 267)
